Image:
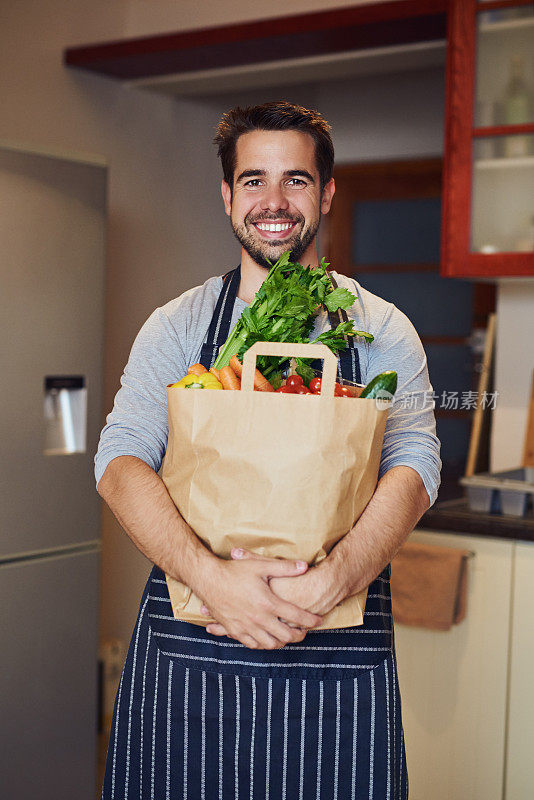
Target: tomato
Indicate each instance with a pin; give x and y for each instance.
(346, 391)
(315, 385)
(338, 390)
(286, 390)
(294, 381)
(302, 390)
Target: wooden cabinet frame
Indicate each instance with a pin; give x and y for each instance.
(376, 180)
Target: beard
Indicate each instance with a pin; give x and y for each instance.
(265, 252)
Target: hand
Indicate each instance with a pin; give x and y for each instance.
(237, 594)
(317, 590)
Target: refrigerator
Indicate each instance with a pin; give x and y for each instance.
(52, 233)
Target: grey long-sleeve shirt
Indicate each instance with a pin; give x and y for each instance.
(171, 340)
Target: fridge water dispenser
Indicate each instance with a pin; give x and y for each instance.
(65, 414)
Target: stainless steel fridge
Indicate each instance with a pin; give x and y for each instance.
(52, 230)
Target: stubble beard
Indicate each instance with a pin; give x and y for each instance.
(266, 253)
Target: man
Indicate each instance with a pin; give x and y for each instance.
(259, 704)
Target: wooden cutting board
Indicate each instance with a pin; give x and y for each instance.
(528, 453)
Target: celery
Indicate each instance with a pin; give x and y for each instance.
(284, 310)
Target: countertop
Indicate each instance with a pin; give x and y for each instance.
(454, 516)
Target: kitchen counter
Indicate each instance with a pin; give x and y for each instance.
(454, 516)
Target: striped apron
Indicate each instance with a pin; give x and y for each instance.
(202, 717)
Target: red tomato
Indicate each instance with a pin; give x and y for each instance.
(294, 381)
(302, 390)
(285, 390)
(338, 390)
(315, 385)
(346, 391)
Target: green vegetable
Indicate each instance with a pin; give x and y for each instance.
(385, 382)
(284, 310)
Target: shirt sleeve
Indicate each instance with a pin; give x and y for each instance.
(138, 424)
(410, 436)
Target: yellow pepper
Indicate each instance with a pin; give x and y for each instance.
(205, 381)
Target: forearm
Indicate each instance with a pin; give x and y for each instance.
(139, 500)
(398, 503)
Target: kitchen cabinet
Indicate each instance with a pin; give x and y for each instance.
(467, 694)
(519, 761)
(453, 683)
(488, 191)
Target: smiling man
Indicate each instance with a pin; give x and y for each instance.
(259, 704)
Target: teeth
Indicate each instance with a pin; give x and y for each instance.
(274, 226)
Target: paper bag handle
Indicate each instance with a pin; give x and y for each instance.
(288, 350)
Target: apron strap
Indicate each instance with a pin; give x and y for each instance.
(348, 366)
(222, 316)
(349, 359)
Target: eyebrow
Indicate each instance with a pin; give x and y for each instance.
(289, 173)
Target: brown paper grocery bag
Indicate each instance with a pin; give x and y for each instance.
(282, 475)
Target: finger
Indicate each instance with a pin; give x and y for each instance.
(298, 616)
(241, 553)
(285, 633)
(205, 610)
(276, 567)
(219, 630)
(283, 568)
(291, 625)
(266, 641)
(216, 629)
(249, 642)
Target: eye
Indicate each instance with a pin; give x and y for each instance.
(253, 183)
(297, 182)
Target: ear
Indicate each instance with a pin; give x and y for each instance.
(226, 196)
(328, 194)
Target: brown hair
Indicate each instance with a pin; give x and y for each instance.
(274, 116)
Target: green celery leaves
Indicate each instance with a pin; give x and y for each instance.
(284, 310)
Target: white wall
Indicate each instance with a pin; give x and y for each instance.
(156, 16)
(513, 371)
(386, 116)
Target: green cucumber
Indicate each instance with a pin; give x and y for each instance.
(385, 382)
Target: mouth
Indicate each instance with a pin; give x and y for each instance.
(275, 230)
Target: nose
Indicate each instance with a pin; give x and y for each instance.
(273, 199)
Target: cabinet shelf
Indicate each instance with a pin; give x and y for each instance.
(504, 163)
(507, 25)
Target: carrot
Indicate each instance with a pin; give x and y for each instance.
(228, 378)
(261, 384)
(236, 365)
(215, 372)
(196, 369)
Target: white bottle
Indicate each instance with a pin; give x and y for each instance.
(517, 109)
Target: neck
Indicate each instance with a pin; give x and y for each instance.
(252, 275)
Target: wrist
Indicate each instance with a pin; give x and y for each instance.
(339, 574)
(333, 584)
(199, 569)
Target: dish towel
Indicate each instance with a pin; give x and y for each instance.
(429, 586)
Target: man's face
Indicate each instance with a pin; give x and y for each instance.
(276, 204)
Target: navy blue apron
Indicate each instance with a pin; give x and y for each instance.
(202, 717)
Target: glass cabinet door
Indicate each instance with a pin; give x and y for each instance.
(504, 83)
(502, 211)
